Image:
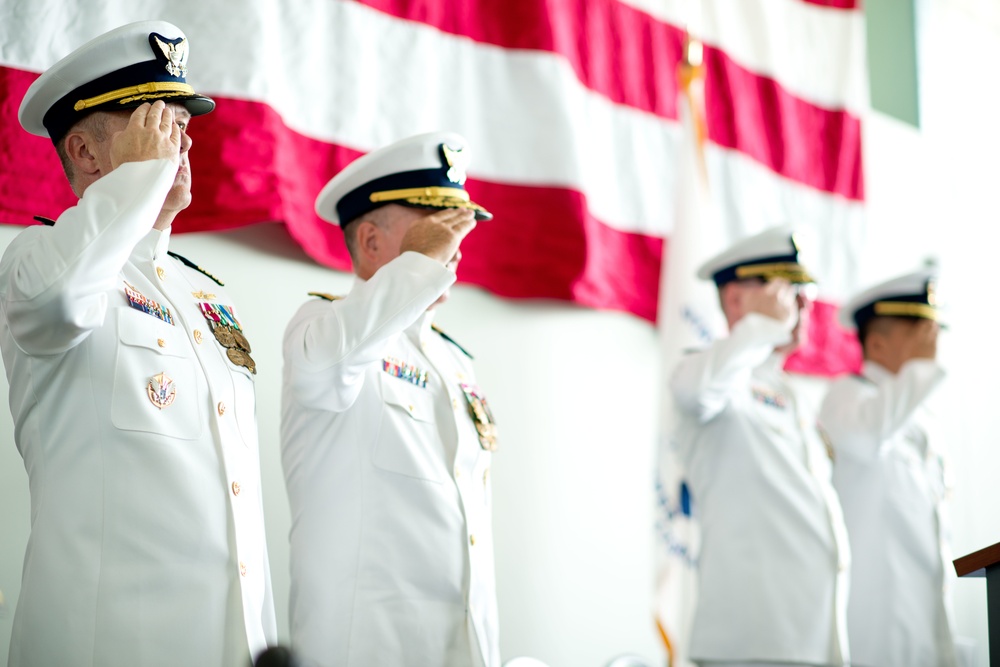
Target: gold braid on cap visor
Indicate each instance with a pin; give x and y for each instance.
(906, 309)
(430, 196)
(132, 93)
(790, 271)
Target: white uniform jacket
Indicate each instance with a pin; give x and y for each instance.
(773, 567)
(391, 540)
(140, 552)
(891, 480)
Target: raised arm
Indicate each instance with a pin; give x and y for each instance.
(328, 345)
(54, 281)
(860, 416)
(704, 382)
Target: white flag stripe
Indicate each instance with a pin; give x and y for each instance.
(816, 53)
(751, 198)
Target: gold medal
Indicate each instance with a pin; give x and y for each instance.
(237, 356)
(229, 336)
(482, 418)
(241, 340)
(250, 364)
(487, 436)
(225, 336)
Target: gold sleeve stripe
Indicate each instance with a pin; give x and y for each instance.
(138, 92)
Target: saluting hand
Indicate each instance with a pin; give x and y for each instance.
(438, 235)
(776, 299)
(151, 134)
(922, 341)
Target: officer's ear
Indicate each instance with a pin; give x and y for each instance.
(78, 150)
(369, 239)
(731, 300)
(875, 337)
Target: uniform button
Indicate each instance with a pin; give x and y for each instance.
(841, 566)
(458, 473)
(486, 476)
(236, 488)
(222, 408)
(460, 376)
(160, 273)
(243, 569)
(454, 403)
(410, 408)
(472, 540)
(161, 342)
(197, 336)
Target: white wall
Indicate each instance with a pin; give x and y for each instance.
(575, 390)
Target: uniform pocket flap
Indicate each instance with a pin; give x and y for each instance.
(137, 329)
(411, 398)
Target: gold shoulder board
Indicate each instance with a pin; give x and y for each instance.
(327, 297)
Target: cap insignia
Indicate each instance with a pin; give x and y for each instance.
(457, 161)
(175, 51)
(931, 293)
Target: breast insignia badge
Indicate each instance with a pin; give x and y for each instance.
(161, 390)
(229, 333)
(479, 410)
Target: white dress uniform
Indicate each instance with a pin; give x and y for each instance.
(774, 561)
(391, 541)
(139, 438)
(892, 483)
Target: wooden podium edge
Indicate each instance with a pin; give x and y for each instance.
(975, 564)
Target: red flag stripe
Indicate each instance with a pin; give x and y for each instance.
(835, 4)
(756, 116)
(248, 165)
(746, 112)
(830, 349)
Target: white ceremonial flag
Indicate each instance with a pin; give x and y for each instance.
(688, 318)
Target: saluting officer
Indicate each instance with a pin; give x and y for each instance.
(386, 438)
(773, 567)
(131, 386)
(892, 479)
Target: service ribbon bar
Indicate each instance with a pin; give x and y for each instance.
(404, 371)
